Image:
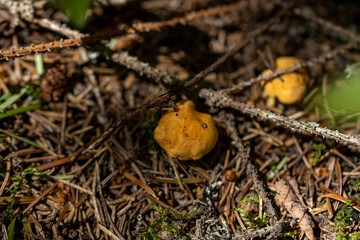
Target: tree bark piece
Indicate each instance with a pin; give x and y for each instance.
(286, 197)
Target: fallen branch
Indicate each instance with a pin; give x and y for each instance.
(252, 171)
(143, 68)
(221, 99)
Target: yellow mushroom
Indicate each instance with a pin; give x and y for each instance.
(186, 133)
(292, 86)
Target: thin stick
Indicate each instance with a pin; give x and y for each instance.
(177, 174)
(73, 185)
(107, 231)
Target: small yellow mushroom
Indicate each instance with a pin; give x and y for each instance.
(186, 133)
(292, 86)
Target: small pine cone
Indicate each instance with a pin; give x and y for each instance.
(53, 83)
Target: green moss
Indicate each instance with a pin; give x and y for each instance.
(288, 234)
(357, 185)
(163, 222)
(344, 219)
(255, 221)
(315, 156)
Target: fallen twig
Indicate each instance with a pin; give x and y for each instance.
(221, 99)
(252, 172)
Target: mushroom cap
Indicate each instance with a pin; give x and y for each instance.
(292, 86)
(186, 133)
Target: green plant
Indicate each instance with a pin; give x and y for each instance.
(288, 234)
(11, 229)
(163, 222)
(357, 185)
(76, 11)
(340, 104)
(7, 99)
(18, 181)
(315, 156)
(344, 218)
(277, 168)
(258, 221)
(23, 139)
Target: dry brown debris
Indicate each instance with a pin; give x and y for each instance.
(54, 83)
(286, 197)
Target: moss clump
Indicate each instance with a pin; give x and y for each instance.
(345, 217)
(163, 222)
(254, 221)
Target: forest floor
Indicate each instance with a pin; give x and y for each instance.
(78, 109)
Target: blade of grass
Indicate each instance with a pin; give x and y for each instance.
(5, 96)
(23, 139)
(11, 229)
(278, 168)
(43, 178)
(19, 110)
(14, 98)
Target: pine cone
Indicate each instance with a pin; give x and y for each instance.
(53, 83)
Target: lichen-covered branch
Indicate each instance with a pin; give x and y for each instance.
(221, 99)
(57, 27)
(39, 48)
(189, 17)
(143, 68)
(252, 171)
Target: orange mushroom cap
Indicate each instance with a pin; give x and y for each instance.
(292, 86)
(186, 133)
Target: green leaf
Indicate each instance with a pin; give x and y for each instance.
(14, 98)
(76, 11)
(19, 110)
(11, 229)
(341, 101)
(23, 139)
(278, 168)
